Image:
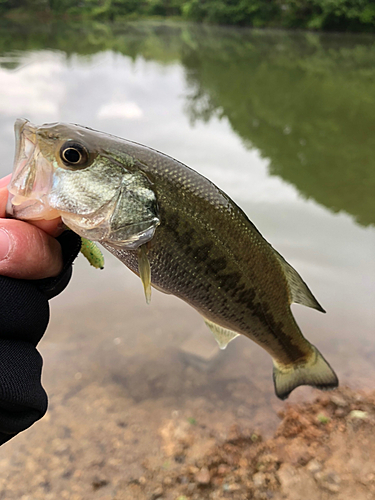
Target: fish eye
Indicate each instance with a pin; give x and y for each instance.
(74, 154)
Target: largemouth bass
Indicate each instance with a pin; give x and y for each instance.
(176, 230)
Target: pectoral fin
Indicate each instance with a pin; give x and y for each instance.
(222, 335)
(299, 291)
(144, 271)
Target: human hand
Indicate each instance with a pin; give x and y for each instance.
(34, 267)
(28, 251)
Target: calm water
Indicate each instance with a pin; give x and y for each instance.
(284, 123)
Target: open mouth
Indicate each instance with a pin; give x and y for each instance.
(31, 179)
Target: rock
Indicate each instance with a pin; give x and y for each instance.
(193, 470)
(176, 435)
(329, 480)
(297, 452)
(223, 469)
(203, 477)
(259, 479)
(157, 493)
(358, 414)
(233, 487)
(167, 481)
(314, 466)
(368, 478)
(296, 483)
(287, 477)
(339, 401)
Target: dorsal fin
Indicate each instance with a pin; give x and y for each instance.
(299, 291)
(222, 335)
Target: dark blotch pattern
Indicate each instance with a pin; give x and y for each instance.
(237, 303)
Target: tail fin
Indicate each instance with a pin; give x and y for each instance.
(315, 372)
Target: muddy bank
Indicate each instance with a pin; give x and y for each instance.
(320, 450)
(142, 406)
(324, 448)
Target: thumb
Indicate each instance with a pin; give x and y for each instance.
(28, 252)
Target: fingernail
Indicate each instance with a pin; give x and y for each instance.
(4, 244)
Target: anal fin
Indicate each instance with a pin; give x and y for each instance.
(222, 335)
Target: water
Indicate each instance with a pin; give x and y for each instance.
(284, 123)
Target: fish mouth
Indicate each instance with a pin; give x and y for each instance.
(32, 177)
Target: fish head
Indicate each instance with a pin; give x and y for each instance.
(86, 178)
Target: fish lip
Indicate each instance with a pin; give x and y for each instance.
(31, 176)
(23, 154)
(19, 125)
(30, 209)
(23, 173)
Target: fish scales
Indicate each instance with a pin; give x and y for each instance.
(203, 257)
(176, 230)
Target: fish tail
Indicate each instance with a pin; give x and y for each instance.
(315, 372)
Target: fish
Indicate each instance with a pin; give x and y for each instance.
(177, 231)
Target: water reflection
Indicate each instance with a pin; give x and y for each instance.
(304, 101)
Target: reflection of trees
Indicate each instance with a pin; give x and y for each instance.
(152, 41)
(305, 101)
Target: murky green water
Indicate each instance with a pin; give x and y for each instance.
(284, 123)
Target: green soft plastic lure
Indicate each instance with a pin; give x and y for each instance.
(92, 253)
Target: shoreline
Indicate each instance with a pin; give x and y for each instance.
(21, 16)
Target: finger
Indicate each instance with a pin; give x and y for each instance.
(4, 194)
(5, 181)
(27, 252)
(3, 200)
(53, 227)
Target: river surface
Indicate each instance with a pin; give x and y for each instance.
(285, 124)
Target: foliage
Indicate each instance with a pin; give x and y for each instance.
(238, 12)
(337, 15)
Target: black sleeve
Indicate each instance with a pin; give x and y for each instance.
(24, 316)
